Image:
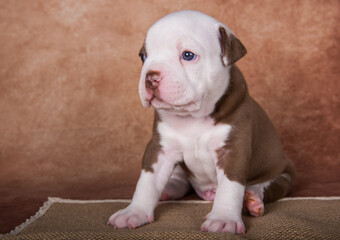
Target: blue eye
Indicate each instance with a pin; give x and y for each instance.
(188, 56)
(143, 57)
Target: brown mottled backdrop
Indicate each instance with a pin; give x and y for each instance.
(72, 126)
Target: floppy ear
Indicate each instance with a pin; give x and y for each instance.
(232, 48)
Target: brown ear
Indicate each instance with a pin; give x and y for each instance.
(232, 48)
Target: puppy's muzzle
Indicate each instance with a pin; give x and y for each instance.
(152, 80)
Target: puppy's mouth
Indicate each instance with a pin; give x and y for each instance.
(160, 104)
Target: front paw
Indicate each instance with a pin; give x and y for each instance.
(129, 217)
(218, 223)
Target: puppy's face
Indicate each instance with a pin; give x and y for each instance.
(184, 71)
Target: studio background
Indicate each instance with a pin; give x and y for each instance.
(72, 125)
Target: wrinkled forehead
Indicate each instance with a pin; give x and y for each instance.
(183, 28)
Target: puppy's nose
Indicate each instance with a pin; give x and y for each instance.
(152, 79)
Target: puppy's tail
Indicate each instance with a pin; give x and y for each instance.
(281, 185)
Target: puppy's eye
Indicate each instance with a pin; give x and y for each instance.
(143, 57)
(188, 56)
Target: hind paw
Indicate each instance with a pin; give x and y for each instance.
(253, 204)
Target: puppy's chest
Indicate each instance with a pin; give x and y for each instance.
(195, 141)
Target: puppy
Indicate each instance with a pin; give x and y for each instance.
(208, 132)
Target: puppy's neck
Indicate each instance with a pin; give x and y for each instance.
(235, 94)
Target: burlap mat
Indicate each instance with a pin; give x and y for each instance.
(315, 218)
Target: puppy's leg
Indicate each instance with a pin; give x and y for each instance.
(226, 213)
(177, 186)
(148, 190)
(256, 195)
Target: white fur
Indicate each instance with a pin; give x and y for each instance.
(194, 140)
(148, 190)
(226, 213)
(229, 196)
(181, 81)
(177, 186)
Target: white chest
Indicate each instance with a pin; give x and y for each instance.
(195, 141)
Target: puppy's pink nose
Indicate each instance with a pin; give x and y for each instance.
(152, 79)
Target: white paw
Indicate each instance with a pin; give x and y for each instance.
(129, 217)
(218, 223)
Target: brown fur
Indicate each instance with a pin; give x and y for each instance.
(231, 46)
(281, 185)
(252, 153)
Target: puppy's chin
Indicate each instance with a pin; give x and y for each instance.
(187, 108)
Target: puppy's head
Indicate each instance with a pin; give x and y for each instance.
(186, 60)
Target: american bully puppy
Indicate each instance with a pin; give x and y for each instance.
(207, 131)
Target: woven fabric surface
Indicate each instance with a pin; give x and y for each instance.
(291, 219)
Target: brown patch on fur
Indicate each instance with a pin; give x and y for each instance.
(252, 153)
(153, 148)
(231, 46)
(233, 109)
(232, 99)
(281, 185)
